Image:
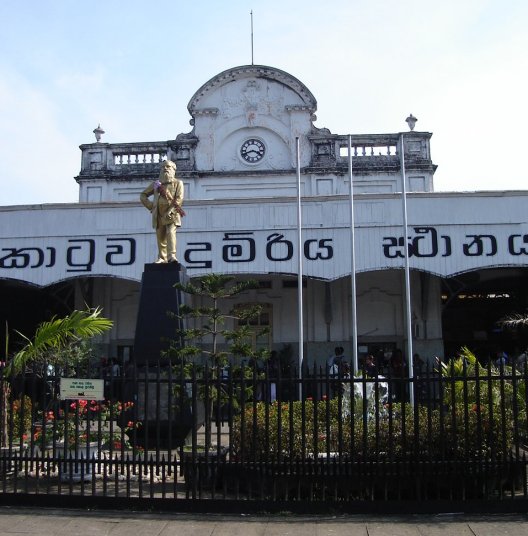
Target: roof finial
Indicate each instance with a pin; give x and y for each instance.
(411, 121)
(98, 133)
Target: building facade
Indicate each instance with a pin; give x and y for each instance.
(467, 251)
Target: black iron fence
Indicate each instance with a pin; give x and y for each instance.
(238, 438)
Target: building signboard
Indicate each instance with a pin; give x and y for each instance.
(438, 242)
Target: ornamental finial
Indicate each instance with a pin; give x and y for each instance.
(411, 121)
(98, 133)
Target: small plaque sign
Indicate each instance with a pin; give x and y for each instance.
(81, 389)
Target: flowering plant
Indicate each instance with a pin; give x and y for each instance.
(85, 421)
(17, 420)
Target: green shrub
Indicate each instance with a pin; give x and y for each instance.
(296, 430)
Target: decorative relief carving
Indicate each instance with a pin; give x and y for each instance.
(251, 94)
(298, 108)
(251, 115)
(254, 98)
(206, 111)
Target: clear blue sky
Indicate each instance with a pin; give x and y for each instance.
(460, 66)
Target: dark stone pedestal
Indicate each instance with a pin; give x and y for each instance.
(163, 424)
(158, 296)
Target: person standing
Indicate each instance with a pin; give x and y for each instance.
(398, 377)
(273, 374)
(334, 370)
(166, 210)
(370, 366)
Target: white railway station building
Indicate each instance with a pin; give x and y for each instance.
(468, 252)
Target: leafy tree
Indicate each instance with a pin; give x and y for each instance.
(204, 340)
(211, 352)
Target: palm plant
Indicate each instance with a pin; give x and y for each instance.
(468, 382)
(54, 343)
(57, 335)
(494, 396)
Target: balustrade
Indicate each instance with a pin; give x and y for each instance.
(369, 150)
(126, 159)
(373, 146)
(122, 158)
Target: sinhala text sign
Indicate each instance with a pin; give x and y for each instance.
(81, 389)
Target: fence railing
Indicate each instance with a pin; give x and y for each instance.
(245, 434)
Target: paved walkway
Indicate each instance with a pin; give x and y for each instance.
(52, 522)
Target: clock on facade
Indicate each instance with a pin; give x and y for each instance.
(252, 151)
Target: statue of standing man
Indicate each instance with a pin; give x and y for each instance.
(166, 209)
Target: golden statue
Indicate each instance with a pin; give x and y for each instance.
(166, 209)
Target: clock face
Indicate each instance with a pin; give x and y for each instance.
(252, 151)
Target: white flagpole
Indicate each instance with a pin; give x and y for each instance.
(353, 324)
(300, 268)
(407, 275)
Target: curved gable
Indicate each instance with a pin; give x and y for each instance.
(255, 107)
(253, 71)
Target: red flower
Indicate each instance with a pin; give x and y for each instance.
(81, 404)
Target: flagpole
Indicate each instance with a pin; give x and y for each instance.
(353, 324)
(300, 269)
(251, 37)
(407, 274)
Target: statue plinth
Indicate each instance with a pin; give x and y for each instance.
(158, 297)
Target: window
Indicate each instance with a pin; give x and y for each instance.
(257, 324)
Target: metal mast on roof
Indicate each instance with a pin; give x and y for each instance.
(252, 37)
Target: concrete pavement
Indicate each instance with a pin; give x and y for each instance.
(54, 522)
